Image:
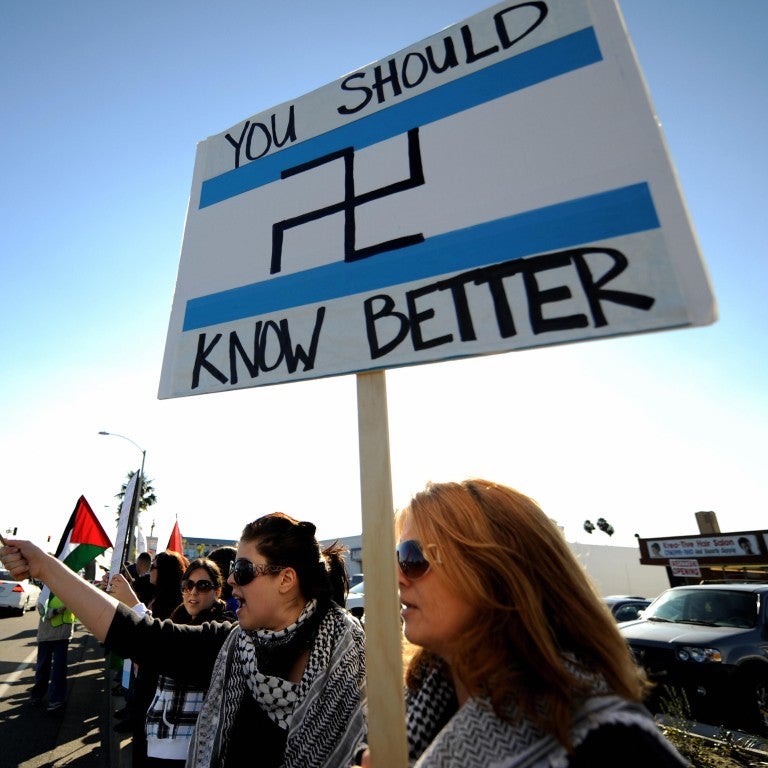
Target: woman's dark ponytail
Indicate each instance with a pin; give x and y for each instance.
(337, 572)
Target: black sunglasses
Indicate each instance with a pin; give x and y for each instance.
(244, 571)
(204, 585)
(411, 560)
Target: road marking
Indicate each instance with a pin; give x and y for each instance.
(17, 673)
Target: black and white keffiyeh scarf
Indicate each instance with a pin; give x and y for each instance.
(323, 714)
(474, 737)
(274, 694)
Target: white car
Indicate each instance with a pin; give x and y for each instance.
(356, 600)
(18, 596)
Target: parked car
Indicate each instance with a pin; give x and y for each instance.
(626, 607)
(356, 600)
(18, 596)
(708, 642)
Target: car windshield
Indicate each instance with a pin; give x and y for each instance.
(357, 589)
(6, 576)
(711, 607)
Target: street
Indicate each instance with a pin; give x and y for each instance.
(17, 635)
(31, 737)
(80, 735)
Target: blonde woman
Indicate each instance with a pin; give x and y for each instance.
(518, 663)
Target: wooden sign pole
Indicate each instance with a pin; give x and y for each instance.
(386, 707)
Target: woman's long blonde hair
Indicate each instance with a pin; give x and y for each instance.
(534, 603)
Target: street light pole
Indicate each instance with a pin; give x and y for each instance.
(133, 517)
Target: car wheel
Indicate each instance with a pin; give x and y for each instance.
(761, 704)
(754, 718)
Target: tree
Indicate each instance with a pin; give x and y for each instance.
(147, 497)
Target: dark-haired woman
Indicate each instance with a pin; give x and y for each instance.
(224, 557)
(286, 685)
(165, 573)
(172, 715)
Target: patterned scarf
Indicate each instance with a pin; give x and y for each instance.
(276, 695)
(324, 713)
(474, 737)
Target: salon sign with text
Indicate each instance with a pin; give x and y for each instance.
(498, 186)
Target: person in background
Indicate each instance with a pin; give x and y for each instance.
(517, 663)
(286, 685)
(141, 566)
(141, 575)
(54, 631)
(172, 714)
(224, 557)
(165, 574)
(138, 574)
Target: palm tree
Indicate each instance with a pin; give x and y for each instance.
(147, 497)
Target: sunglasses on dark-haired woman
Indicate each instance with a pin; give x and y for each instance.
(203, 585)
(244, 571)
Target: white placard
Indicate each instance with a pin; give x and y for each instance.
(501, 185)
(118, 552)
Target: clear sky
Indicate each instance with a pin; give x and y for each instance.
(102, 107)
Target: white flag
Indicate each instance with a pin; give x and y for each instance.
(118, 553)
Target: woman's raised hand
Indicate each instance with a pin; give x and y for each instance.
(121, 589)
(23, 559)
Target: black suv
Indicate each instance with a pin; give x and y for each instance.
(709, 641)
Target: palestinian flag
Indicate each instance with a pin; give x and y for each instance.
(174, 543)
(83, 538)
(82, 541)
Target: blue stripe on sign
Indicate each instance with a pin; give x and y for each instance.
(583, 220)
(571, 52)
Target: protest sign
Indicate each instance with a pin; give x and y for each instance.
(501, 185)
